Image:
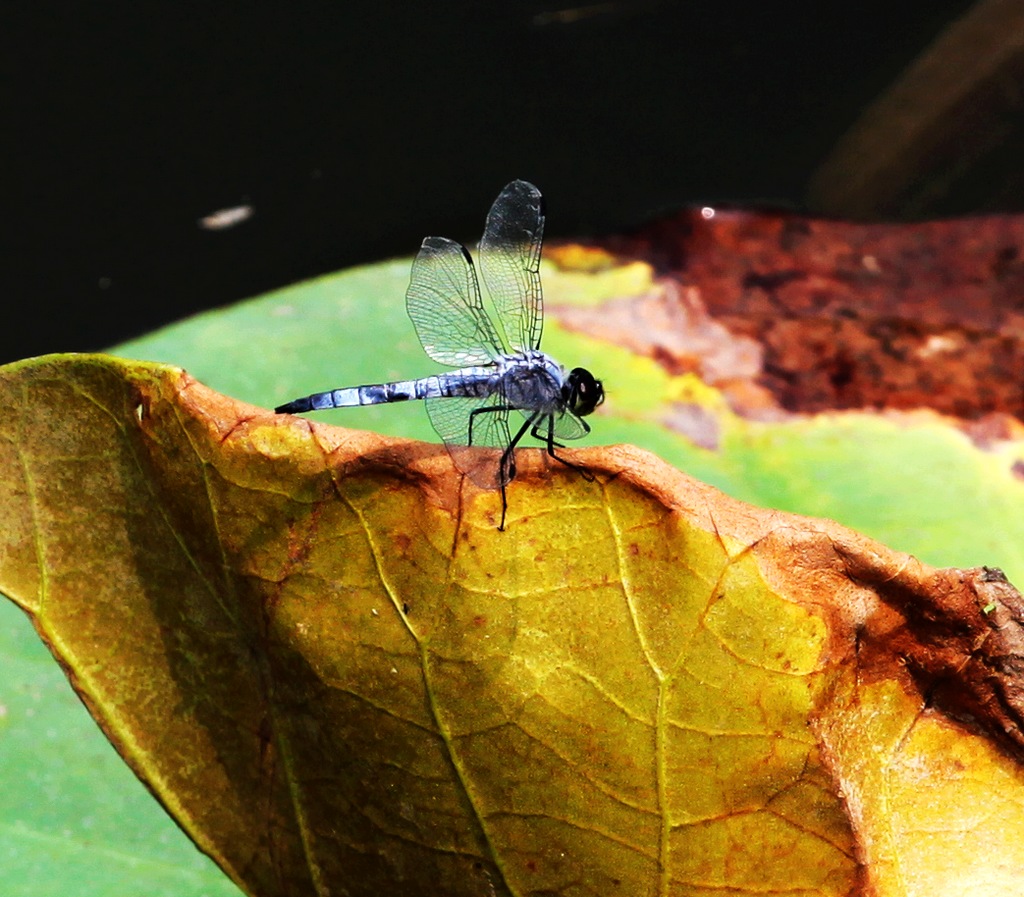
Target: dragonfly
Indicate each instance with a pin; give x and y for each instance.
(501, 371)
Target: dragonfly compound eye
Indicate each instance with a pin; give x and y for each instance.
(585, 391)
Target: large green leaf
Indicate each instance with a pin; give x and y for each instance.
(73, 817)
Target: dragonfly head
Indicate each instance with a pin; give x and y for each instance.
(582, 392)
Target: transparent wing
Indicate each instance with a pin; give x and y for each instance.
(510, 263)
(443, 301)
(566, 425)
(451, 416)
(570, 426)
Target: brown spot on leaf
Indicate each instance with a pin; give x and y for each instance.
(698, 424)
(672, 326)
(988, 431)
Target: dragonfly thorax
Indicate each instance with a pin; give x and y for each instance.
(533, 380)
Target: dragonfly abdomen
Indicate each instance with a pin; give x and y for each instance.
(470, 382)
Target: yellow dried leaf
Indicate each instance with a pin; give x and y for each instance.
(321, 655)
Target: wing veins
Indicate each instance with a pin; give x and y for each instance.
(445, 306)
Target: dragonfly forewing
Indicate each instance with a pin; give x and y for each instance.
(444, 304)
(510, 263)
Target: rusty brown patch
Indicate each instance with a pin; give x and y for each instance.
(844, 316)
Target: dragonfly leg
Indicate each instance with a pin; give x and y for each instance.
(507, 466)
(549, 439)
(540, 437)
(476, 411)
